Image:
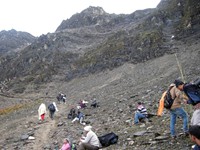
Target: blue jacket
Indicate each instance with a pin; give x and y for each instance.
(80, 115)
(192, 92)
(197, 147)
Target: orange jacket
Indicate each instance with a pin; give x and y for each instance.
(161, 105)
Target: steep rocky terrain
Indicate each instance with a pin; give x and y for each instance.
(118, 59)
(13, 40)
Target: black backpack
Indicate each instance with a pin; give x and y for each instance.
(52, 108)
(168, 101)
(108, 139)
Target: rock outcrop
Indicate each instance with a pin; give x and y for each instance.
(12, 40)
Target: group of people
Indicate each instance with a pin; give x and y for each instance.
(179, 91)
(89, 140)
(61, 97)
(42, 111)
(189, 93)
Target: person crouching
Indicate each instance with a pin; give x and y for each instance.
(90, 141)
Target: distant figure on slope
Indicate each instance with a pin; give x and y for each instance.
(82, 104)
(141, 113)
(52, 108)
(79, 117)
(42, 111)
(94, 103)
(72, 114)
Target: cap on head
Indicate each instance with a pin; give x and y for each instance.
(87, 128)
(178, 82)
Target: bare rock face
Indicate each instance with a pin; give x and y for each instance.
(88, 17)
(93, 41)
(13, 40)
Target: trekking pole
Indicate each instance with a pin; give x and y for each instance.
(180, 68)
(181, 71)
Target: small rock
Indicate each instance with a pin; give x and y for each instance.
(24, 137)
(60, 124)
(140, 133)
(142, 126)
(31, 138)
(161, 138)
(131, 142)
(30, 133)
(47, 146)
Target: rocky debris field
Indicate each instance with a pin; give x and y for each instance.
(117, 91)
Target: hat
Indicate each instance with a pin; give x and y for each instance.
(87, 128)
(178, 82)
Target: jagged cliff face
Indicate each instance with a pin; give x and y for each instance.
(14, 41)
(88, 17)
(94, 40)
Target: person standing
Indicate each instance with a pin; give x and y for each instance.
(52, 109)
(177, 110)
(193, 94)
(90, 141)
(42, 111)
(141, 113)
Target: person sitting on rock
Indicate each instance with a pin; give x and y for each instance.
(94, 103)
(64, 98)
(72, 114)
(79, 117)
(194, 133)
(52, 109)
(141, 113)
(66, 145)
(42, 111)
(90, 141)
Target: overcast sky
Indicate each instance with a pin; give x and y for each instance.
(42, 16)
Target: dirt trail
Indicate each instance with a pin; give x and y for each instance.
(43, 130)
(42, 134)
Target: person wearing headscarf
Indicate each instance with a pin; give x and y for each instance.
(42, 111)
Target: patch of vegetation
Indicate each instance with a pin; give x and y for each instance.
(13, 108)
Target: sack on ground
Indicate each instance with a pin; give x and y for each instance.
(168, 101)
(108, 139)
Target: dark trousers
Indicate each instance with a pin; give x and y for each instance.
(86, 146)
(51, 114)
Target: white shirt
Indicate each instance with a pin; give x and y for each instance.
(91, 138)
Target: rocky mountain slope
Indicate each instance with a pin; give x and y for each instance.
(12, 40)
(119, 60)
(102, 41)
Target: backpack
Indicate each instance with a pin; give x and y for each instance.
(108, 139)
(73, 147)
(168, 101)
(51, 107)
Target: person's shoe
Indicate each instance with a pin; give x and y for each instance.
(173, 138)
